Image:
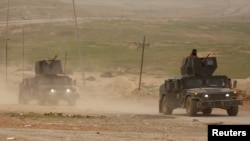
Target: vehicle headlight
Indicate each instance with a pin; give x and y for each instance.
(227, 95)
(68, 90)
(206, 95)
(52, 90)
(195, 93)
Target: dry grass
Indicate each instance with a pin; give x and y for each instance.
(108, 28)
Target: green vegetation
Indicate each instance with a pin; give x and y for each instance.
(50, 115)
(106, 45)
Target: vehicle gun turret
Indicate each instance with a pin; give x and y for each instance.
(198, 66)
(48, 67)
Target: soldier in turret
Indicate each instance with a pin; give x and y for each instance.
(193, 53)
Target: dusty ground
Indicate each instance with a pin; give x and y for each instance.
(109, 109)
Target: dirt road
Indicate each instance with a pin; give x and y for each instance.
(63, 123)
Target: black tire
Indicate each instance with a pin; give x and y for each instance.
(166, 110)
(72, 102)
(191, 107)
(52, 102)
(22, 98)
(160, 107)
(207, 111)
(22, 101)
(41, 100)
(233, 111)
(162, 92)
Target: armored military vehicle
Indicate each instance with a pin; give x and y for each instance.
(49, 85)
(198, 90)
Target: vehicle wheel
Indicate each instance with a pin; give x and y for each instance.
(191, 107)
(22, 101)
(207, 111)
(72, 102)
(233, 111)
(160, 106)
(52, 102)
(41, 101)
(166, 110)
(21, 98)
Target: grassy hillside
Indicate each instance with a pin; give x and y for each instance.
(107, 43)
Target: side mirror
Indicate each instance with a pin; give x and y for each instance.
(234, 84)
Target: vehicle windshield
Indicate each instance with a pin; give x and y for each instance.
(207, 82)
(194, 83)
(216, 82)
(57, 80)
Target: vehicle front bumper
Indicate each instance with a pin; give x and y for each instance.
(220, 103)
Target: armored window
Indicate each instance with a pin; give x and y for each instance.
(62, 80)
(210, 62)
(217, 82)
(194, 83)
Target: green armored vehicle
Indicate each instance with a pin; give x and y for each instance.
(198, 90)
(49, 85)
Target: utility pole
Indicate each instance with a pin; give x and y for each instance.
(6, 44)
(78, 43)
(142, 60)
(23, 52)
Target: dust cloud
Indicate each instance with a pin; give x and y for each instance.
(115, 95)
(8, 94)
(103, 95)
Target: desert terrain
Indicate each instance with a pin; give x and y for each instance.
(110, 107)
